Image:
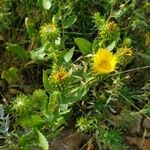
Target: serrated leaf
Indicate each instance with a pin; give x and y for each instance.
(38, 54)
(43, 143)
(41, 54)
(69, 55)
(70, 21)
(84, 45)
(46, 4)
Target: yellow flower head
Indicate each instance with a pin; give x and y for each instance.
(104, 61)
(83, 124)
(82, 121)
(60, 75)
(111, 26)
(124, 52)
(48, 31)
(48, 28)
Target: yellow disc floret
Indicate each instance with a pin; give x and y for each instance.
(60, 75)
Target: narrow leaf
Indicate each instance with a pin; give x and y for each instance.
(69, 55)
(43, 141)
(46, 82)
(118, 14)
(84, 45)
(1, 111)
(111, 46)
(53, 101)
(70, 21)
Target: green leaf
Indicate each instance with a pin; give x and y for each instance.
(111, 46)
(31, 121)
(43, 141)
(16, 50)
(69, 55)
(127, 42)
(10, 75)
(38, 54)
(30, 25)
(70, 21)
(95, 45)
(118, 14)
(39, 95)
(40, 98)
(53, 101)
(145, 58)
(46, 4)
(46, 82)
(84, 45)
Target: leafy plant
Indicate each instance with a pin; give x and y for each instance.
(91, 55)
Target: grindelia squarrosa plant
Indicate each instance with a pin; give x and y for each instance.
(90, 51)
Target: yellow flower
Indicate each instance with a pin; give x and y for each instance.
(49, 28)
(124, 52)
(104, 61)
(60, 75)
